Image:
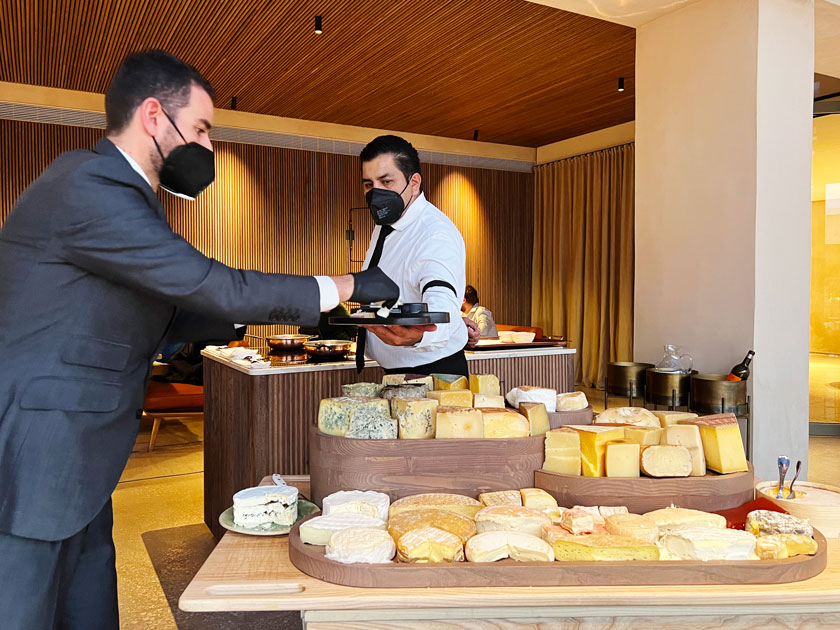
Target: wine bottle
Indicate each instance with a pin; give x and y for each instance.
(741, 372)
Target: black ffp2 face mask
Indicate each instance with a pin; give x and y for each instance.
(188, 169)
(386, 206)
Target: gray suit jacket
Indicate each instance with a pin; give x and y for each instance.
(93, 282)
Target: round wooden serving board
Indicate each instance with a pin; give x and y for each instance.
(311, 560)
(401, 468)
(642, 494)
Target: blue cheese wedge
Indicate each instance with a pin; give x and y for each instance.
(371, 423)
(766, 522)
(334, 413)
(359, 502)
(265, 506)
(406, 392)
(365, 390)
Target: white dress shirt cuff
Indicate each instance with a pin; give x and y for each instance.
(329, 293)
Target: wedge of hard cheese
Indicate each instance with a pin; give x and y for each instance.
(488, 400)
(593, 447)
(665, 461)
(621, 458)
(458, 422)
(688, 435)
(600, 547)
(450, 381)
(644, 436)
(417, 419)
(485, 384)
(667, 418)
(722, 442)
(537, 417)
(562, 451)
(453, 397)
(503, 424)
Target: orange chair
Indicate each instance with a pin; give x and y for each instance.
(174, 401)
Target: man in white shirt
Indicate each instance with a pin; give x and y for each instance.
(481, 315)
(420, 248)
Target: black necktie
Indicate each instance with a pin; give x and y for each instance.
(361, 337)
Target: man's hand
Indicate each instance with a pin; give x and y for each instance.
(372, 285)
(400, 335)
(473, 332)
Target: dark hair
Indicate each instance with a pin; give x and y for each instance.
(471, 295)
(404, 154)
(150, 73)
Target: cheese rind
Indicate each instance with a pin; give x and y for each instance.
(688, 435)
(450, 381)
(334, 413)
(512, 519)
(722, 444)
(457, 503)
(318, 530)
(405, 391)
(501, 497)
(484, 401)
(665, 461)
(621, 458)
(537, 417)
(458, 422)
(504, 424)
(365, 390)
(462, 526)
(359, 502)
(262, 507)
(417, 419)
(498, 545)
(366, 545)
(429, 545)
(571, 401)
(593, 440)
(638, 416)
(485, 384)
(453, 397)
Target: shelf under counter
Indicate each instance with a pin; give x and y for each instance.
(256, 420)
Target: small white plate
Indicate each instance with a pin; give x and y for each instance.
(305, 508)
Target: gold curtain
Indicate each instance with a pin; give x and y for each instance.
(583, 261)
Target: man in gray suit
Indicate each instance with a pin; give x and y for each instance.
(94, 282)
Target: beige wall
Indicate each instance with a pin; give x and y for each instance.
(723, 115)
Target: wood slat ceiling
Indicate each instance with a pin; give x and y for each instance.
(521, 73)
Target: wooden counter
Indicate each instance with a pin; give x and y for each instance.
(256, 420)
(254, 573)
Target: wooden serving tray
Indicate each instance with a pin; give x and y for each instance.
(642, 494)
(518, 346)
(311, 560)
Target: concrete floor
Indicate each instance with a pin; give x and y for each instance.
(161, 538)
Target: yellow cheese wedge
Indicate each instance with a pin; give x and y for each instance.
(485, 384)
(458, 422)
(665, 461)
(537, 417)
(453, 398)
(621, 459)
(722, 442)
(457, 503)
(780, 546)
(593, 441)
(538, 499)
(429, 544)
(563, 437)
(688, 435)
(503, 424)
(644, 436)
(667, 418)
(416, 418)
(502, 497)
(450, 381)
(603, 547)
(562, 464)
(488, 400)
(462, 526)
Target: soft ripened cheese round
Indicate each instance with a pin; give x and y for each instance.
(528, 393)
(512, 519)
(638, 416)
(400, 524)
(571, 401)
(498, 545)
(264, 506)
(458, 503)
(319, 530)
(429, 544)
(372, 503)
(668, 518)
(704, 543)
(361, 545)
(632, 526)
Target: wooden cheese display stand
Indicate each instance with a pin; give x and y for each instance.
(311, 560)
(557, 419)
(642, 494)
(401, 468)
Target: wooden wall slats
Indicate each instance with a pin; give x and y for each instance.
(520, 72)
(286, 210)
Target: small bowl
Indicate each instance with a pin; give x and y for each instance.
(523, 337)
(812, 503)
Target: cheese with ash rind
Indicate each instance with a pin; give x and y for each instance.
(722, 444)
(766, 522)
(417, 419)
(498, 545)
(450, 381)
(537, 417)
(361, 545)
(638, 416)
(688, 435)
(512, 519)
(528, 393)
(365, 390)
(458, 422)
(504, 424)
(485, 384)
(484, 401)
(334, 413)
(699, 543)
(665, 461)
(453, 397)
(571, 401)
(457, 503)
(501, 497)
(318, 530)
(429, 544)
(357, 501)
(462, 526)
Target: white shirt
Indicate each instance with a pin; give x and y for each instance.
(483, 317)
(424, 246)
(326, 287)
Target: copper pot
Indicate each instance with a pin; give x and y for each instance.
(327, 348)
(286, 342)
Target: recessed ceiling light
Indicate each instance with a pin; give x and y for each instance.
(318, 25)
(620, 84)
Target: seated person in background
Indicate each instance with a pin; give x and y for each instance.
(326, 331)
(481, 315)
